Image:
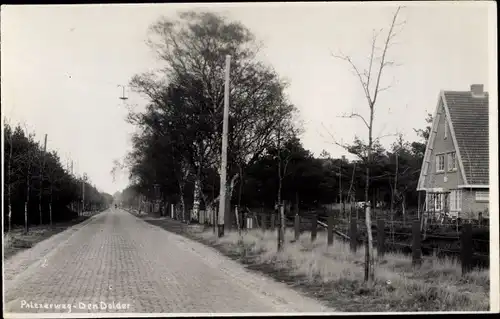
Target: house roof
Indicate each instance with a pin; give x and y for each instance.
(470, 120)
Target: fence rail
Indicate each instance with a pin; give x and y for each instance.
(352, 231)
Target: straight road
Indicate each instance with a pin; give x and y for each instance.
(116, 262)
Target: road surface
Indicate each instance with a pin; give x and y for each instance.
(116, 262)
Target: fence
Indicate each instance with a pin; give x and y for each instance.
(388, 235)
(385, 234)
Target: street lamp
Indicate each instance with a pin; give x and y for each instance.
(123, 97)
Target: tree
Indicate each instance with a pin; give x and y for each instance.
(42, 157)
(56, 175)
(11, 139)
(193, 48)
(29, 157)
(23, 166)
(418, 148)
(370, 81)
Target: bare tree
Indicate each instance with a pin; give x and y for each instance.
(41, 177)
(370, 80)
(29, 158)
(285, 133)
(11, 159)
(54, 176)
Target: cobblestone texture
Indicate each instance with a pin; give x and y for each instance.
(116, 258)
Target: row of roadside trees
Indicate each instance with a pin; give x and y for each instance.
(39, 188)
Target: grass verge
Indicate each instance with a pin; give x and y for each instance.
(17, 240)
(334, 275)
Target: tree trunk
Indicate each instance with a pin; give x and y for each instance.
(50, 207)
(229, 195)
(183, 204)
(9, 186)
(403, 206)
(240, 191)
(40, 208)
(10, 212)
(196, 199)
(369, 260)
(238, 224)
(26, 203)
(281, 231)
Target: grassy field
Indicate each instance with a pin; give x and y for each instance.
(335, 275)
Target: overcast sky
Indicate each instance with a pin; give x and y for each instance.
(61, 66)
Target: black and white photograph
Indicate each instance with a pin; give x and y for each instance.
(249, 159)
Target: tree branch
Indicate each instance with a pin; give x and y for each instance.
(353, 115)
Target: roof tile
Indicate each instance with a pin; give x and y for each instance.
(470, 119)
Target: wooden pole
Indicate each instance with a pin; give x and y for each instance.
(466, 248)
(314, 227)
(297, 226)
(223, 172)
(417, 244)
(330, 228)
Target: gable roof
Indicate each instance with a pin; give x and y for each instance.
(470, 120)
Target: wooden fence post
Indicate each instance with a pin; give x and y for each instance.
(314, 226)
(273, 221)
(297, 226)
(353, 234)
(241, 216)
(380, 238)
(263, 221)
(330, 228)
(466, 248)
(416, 244)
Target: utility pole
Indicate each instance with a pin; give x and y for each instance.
(42, 161)
(223, 173)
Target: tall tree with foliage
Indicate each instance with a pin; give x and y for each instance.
(193, 48)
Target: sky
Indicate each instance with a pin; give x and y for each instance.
(61, 67)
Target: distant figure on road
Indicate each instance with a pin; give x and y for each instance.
(116, 206)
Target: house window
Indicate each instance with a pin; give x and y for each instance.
(433, 202)
(482, 196)
(440, 163)
(455, 200)
(452, 161)
(438, 201)
(445, 129)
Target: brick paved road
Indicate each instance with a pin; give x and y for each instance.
(116, 257)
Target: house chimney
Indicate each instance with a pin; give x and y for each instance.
(477, 90)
